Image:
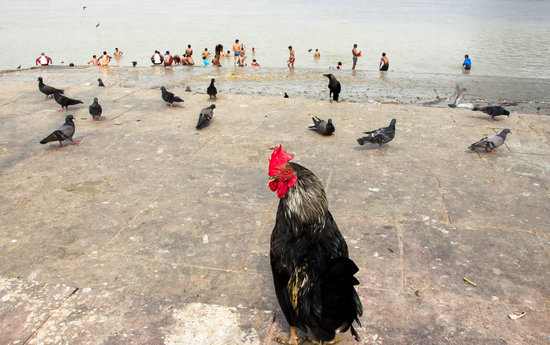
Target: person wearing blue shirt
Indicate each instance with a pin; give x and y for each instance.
(467, 62)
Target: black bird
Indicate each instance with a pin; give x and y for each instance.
(309, 50)
(491, 142)
(66, 131)
(322, 127)
(211, 90)
(47, 90)
(312, 273)
(64, 102)
(493, 110)
(96, 111)
(134, 63)
(333, 86)
(83, 8)
(97, 25)
(205, 117)
(286, 95)
(19, 67)
(100, 82)
(169, 97)
(380, 136)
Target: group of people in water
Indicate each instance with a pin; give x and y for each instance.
(239, 58)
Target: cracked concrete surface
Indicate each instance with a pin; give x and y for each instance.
(150, 232)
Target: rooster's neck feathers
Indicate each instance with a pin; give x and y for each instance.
(306, 202)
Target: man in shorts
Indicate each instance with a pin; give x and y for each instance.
(236, 52)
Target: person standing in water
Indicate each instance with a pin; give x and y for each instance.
(355, 55)
(291, 58)
(384, 63)
(317, 53)
(467, 62)
(236, 52)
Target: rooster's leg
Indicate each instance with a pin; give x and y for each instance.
(293, 338)
(332, 342)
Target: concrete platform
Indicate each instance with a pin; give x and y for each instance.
(150, 232)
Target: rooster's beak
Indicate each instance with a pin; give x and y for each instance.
(272, 179)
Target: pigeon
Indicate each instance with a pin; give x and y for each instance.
(211, 90)
(47, 90)
(309, 50)
(458, 96)
(134, 63)
(66, 131)
(333, 86)
(83, 8)
(380, 136)
(493, 110)
(95, 111)
(491, 142)
(65, 101)
(100, 82)
(19, 67)
(97, 25)
(322, 127)
(286, 95)
(205, 117)
(169, 97)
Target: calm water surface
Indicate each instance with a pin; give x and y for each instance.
(503, 38)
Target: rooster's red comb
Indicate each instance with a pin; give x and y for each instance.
(279, 157)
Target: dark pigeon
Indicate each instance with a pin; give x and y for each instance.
(380, 136)
(97, 25)
(64, 102)
(205, 117)
(211, 90)
(333, 86)
(322, 127)
(100, 82)
(47, 90)
(493, 110)
(19, 67)
(286, 95)
(169, 97)
(66, 131)
(134, 63)
(491, 142)
(96, 111)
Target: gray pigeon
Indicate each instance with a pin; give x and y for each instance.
(211, 90)
(96, 111)
(491, 142)
(380, 136)
(333, 86)
(66, 131)
(493, 110)
(458, 96)
(205, 117)
(64, 102)
(322, 127)
(169, 97)
(100, 82)
(47, 90)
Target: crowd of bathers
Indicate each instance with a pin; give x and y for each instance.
(239, 58)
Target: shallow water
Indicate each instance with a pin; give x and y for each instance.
(503, 37)
(430, 89)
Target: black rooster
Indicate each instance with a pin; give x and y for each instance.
(312, 273)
